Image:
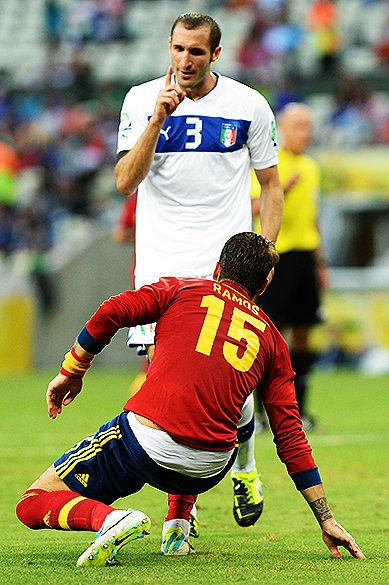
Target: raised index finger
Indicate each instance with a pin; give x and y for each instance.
(169, 76)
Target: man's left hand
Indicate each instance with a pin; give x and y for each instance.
(334, 535)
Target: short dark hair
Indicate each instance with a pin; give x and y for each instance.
(246, 260)
(192, 20)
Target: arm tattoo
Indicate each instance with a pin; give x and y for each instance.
(321, 510)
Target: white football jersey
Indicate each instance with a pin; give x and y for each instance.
(197, 192)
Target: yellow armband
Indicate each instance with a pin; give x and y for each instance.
(74, 366)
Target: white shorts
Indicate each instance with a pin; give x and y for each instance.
(176, 457)
(141, 335)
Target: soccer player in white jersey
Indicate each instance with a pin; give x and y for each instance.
(186, 143)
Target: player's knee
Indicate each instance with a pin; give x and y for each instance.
(246, 431)
(26, 509)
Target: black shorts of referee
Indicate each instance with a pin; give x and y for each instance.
(292, 298)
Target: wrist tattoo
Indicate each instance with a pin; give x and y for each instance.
(321, 510)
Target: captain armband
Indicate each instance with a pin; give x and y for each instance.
(74, 366)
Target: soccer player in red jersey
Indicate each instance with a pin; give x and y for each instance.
(186, 142)
(178, 433)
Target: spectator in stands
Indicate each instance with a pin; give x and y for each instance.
(9, 167)
(322, 23)
(361, 115)
(54, 21)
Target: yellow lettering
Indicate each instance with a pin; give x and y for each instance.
(238, 331)
(211, 323)
(217, 288)
(247, 338)
(237, 299)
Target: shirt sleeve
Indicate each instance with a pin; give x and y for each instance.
(279, 399)
(127, 309)
(133, 120)
(262, 140)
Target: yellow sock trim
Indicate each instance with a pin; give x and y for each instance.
(63, 515)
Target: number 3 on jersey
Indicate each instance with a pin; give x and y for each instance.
(236, 331)
(195, 132)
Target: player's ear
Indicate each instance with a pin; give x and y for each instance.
(216, 54)
(216, 272)
(268, 281)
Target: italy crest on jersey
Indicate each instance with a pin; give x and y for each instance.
(228, 134)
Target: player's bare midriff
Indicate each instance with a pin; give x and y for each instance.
(148, 423)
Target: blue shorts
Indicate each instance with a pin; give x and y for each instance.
(112, 465)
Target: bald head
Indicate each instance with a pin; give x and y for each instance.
(295, 127)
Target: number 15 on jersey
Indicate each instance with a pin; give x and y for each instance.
(237, 330)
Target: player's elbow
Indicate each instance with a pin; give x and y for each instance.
(124, 182)
(124, 185)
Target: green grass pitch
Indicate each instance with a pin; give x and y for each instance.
(351, 448)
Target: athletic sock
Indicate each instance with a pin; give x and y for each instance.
(245, 460)
(62, 510)
(180, 506)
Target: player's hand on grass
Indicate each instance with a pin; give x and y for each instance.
(60, 392)
(334, 535)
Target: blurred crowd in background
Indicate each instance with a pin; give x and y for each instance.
(58, 125)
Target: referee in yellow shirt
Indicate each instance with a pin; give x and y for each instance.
(293, 301)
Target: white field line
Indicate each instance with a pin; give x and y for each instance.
(265, 440)
(45, 443)
(30, 452)
(14, 445)
(358, 439)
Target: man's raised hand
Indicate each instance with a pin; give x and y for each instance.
(169, 98)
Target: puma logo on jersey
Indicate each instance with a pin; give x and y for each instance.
(82, 478)
(166, 132)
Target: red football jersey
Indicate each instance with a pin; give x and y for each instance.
(213, 346)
